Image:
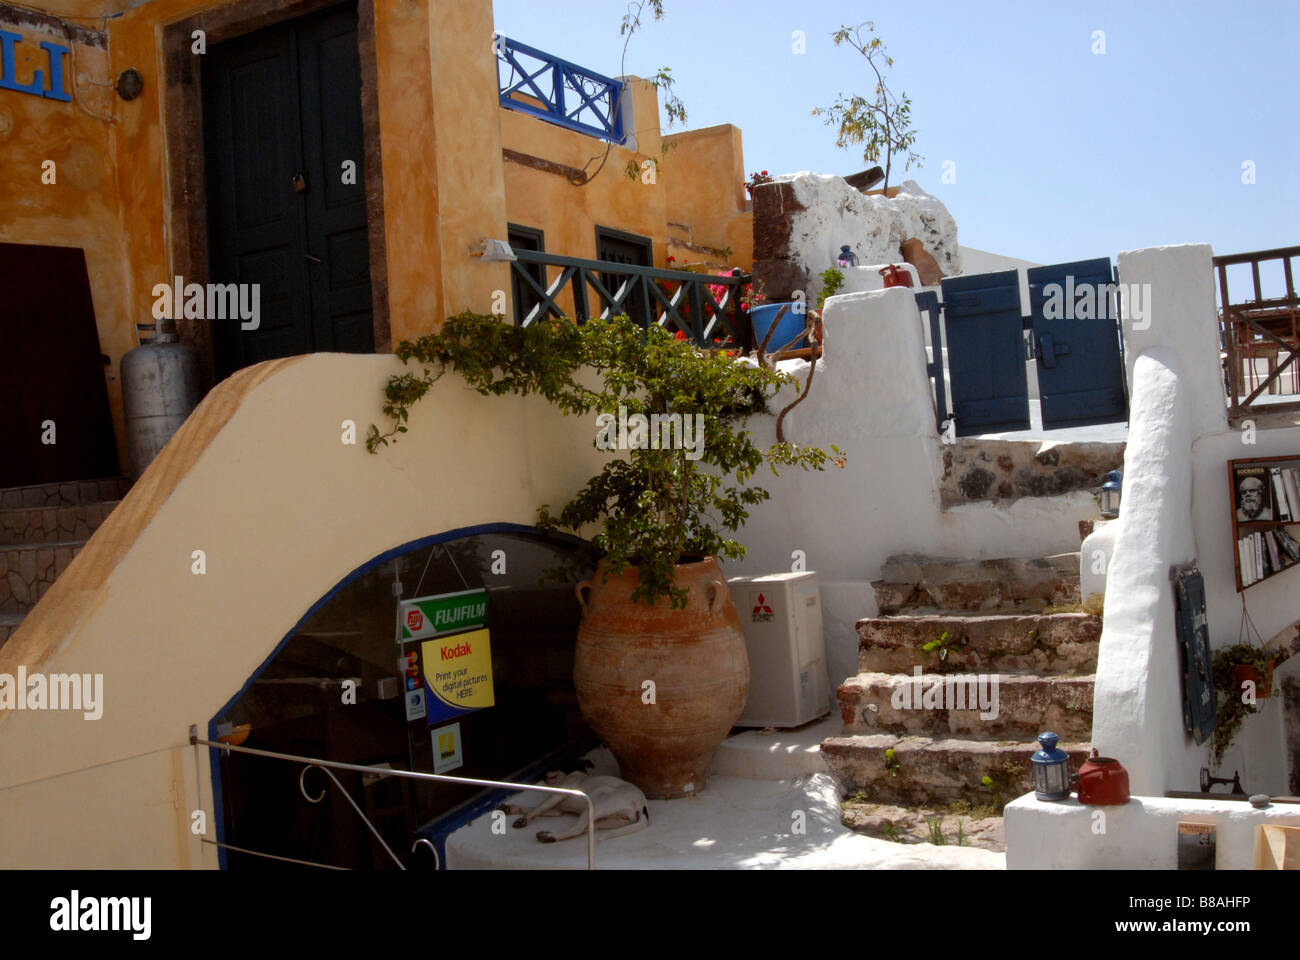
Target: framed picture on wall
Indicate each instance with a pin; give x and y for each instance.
(1252, 493)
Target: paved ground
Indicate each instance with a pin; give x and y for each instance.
(738, 822)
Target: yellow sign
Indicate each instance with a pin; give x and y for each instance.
(458, 672)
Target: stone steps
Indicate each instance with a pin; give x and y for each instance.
(27, 571)
(984, 621)
(9, 625)
(926, 771)
(46, 525)
(68, 494)
(1025, 706)
(42, 527)
(909, 583)
(1039, 644)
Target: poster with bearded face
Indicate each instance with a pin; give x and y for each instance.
(1253, 493)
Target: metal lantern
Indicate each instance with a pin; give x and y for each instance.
(1110, 494)
(1051, 776)
(846, 258)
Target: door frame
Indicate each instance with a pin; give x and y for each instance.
(186, 207)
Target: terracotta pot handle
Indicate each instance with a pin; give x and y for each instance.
(715, 590)
(577, 592)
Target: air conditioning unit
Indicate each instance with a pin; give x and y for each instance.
(782, 618)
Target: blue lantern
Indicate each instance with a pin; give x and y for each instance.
(1110, 494)
(846, 258)
(1051, 776)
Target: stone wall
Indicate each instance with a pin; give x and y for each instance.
(977, 469)
(802, 220)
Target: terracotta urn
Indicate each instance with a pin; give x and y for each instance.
(1263, 681)
(690, 662)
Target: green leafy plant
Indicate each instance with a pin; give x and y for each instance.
(832, 281)
(1234, 704)
(881, 122)
(891, 832)
(935, 825)
(891, 762)
(662, 81)
(658, 504)
(943, 643)
(996, 789)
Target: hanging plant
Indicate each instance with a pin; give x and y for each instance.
(1235, 701)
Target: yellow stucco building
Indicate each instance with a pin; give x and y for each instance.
(351, 160)
(346, 157)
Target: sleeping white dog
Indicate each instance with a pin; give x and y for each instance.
(620, 807)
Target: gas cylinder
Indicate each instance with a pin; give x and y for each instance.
(160, 388)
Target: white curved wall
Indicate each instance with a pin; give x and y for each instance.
(259, 480)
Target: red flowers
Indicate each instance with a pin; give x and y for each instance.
(755, 179)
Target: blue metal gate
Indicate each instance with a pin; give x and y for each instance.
(1074, 336)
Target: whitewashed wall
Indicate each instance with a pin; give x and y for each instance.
(871, 398)
(981, 261)
(1140, 835)
(1176, 508)
(874, 227)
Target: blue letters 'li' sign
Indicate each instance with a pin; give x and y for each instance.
(54, 52)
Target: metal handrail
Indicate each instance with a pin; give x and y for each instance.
(196, 740)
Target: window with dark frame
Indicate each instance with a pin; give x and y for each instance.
(617, 246)
(524, 296)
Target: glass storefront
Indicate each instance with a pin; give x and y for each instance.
(336, 690)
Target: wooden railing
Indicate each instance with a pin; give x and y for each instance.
(1258, 328)
(705, 308)
(557, 91)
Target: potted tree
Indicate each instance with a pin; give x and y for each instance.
(661, 671)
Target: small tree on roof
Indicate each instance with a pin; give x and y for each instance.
(883, 122)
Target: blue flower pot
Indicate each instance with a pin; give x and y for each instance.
(792, 324)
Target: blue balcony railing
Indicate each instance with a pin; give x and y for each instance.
(558, 91)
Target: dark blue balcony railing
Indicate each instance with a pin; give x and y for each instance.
(704, 308)
(557, 91)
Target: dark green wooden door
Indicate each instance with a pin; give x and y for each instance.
(284, 150)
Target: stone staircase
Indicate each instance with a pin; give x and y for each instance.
(930, 741)
(42, 528)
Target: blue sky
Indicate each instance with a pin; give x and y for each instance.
(1059, 153)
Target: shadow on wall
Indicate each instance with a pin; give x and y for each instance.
(254, 510)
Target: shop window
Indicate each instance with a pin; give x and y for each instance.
(297, 703)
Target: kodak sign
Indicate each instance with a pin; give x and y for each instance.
(458, 673)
